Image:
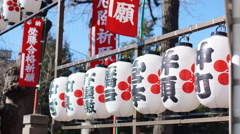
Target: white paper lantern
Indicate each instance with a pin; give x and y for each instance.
(74, 96)
(3, 24)
(94, 101)
(177, 79)
(212, 71)
(57, 104)
(30, 6)
(145, 84)
(118, 89)
(11, 11)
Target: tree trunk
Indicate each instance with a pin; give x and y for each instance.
(170, 12)
(18, 102)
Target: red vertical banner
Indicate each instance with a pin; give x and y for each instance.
(101, 40)
(123, 17)
(31, 53)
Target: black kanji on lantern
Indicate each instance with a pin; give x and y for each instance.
(110, 95)
(168, 62)
(138, 67)
(89, 93)
(69, 86)
(89, 106)
(204, 55)
(68, 103)
(137, 96)
(53, 89)
(111, 74)
(205, 81)
(168, 88)
(52, 106)
(89, 78)
(110, 84)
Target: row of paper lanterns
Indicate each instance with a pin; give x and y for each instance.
(10, 10)
(179, 80)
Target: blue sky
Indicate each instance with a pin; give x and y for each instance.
(76, 29)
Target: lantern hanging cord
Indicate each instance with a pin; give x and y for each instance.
(186, 37)
(222, 27)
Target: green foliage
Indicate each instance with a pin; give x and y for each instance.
(47, 72)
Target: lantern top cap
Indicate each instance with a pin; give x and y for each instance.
(183, 44)
(65, 74)
(81, 71)
(101, 65)
(152, 52)
(126, 60)
(219, 33)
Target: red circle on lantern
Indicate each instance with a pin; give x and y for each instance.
(64, 104)
(100, 89)
(228, 58)
(126, 95)
(153, 78)
(223, 79)
(62, 96)
(159, 72)
(17, 9)
(220, 66)
(123, 85)
(80, 101)
(78, 93)
(101, 98)
(10, 8)
(129, 79)
(15, 1)
(9, 3)
(188, 87)
(193, 68)
(155, 88)
(185, 74)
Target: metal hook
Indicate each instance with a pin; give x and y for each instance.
(222, 27)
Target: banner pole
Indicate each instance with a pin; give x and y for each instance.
(142, 20)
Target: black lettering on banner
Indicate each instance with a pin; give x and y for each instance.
(204, 55)
(168, 88)
(207, 89)
(167, 62)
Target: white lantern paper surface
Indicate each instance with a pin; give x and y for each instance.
(74, 96)
(30, 6)
(118, 89)
(3, 24)
(212, 71)
(57, 104)
(94, 101)
(11, 11)
(177, 79)
(145, 84)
